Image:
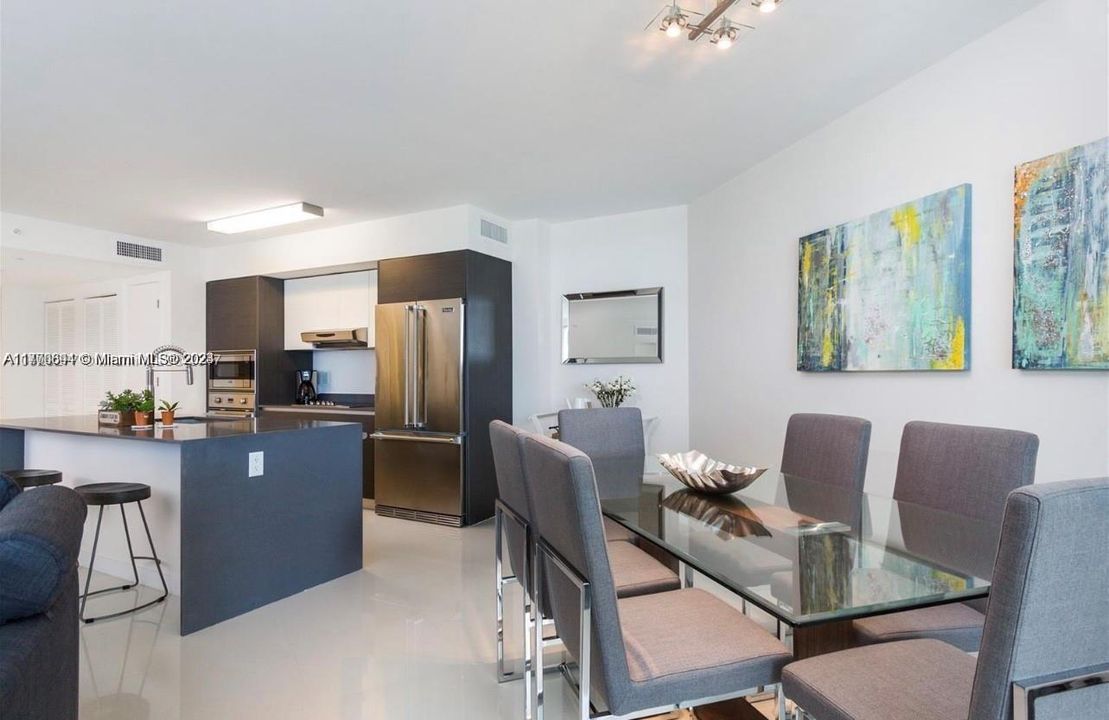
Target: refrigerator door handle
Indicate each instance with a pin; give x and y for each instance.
(441, 439)
(419, 395)
(408, 375)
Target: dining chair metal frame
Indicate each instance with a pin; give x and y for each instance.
(542, 551)
(501, 512)
(1027, 692)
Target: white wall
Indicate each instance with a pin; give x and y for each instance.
(22, 325)
(22, 315)
(345, 371)
(616, 252)
(534, 355)
(21, 388)
(1034, 86)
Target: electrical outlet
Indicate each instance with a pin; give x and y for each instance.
(255, 464)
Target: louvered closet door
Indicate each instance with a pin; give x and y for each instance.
(62, 395)
(101, 325)
(70, 374)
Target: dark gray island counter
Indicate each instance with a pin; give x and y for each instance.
(230, 541)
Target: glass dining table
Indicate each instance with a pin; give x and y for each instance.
(811, 555)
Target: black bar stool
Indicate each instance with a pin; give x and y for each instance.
(34, 478)
(119, 493)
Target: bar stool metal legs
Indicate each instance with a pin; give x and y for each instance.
(153, 556)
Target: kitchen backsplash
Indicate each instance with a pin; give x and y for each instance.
(345, 371)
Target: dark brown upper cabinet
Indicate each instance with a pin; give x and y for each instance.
(423, 277)
(249, 314)
(246, 314)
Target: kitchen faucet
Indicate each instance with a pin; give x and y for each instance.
(150, 369)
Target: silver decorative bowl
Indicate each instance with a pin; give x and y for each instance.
(699, 472)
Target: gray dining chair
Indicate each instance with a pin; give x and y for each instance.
(964, 470)
(831, 449)
(826, 449)
(636, 656)
(635, 571)
(613, 440)
(1045, 648)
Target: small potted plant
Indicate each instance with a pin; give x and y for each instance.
(613, 393)
(167, 408)
(118, 409)
(144, 409)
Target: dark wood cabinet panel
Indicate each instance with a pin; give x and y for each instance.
(367, 422)
(232, 314)
(275, 365)
(422, 277)
(488, 370)
(249, 314)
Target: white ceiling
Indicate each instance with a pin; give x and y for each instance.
(151, 117)
(28, 268)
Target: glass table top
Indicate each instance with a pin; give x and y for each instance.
(804, 551)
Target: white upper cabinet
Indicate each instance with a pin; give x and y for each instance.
(327, 302)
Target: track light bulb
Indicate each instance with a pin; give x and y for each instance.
(673, 23)
(768, 6)
(724, 37)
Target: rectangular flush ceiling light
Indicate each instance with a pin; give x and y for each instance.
(273, 217)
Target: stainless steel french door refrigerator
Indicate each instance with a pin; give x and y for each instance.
(420, 438)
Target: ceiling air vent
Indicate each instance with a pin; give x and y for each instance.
(142, 252)
(493, 231)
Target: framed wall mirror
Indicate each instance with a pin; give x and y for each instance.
(622, 326)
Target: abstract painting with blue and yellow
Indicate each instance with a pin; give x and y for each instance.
(890, 291)
(1061, 260)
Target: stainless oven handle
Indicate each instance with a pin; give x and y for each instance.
(440, 439)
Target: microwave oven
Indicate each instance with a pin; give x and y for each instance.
(232, 370)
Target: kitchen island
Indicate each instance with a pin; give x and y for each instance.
(229, 541)
(363, 414)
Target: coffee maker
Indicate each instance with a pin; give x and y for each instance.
(306, 381)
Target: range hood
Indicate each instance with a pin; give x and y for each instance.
(339, 339)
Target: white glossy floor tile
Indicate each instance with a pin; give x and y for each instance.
(410, 636)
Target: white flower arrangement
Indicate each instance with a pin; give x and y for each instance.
(612, 393)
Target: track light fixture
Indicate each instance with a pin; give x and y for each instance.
(674, 22)
(725, 35)
(721, 31)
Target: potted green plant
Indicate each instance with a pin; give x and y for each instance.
(144, 409)
(167, 409)
(119, 408)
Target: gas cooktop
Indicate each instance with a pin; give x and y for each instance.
(330, 404)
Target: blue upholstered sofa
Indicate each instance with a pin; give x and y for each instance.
(40, 534)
